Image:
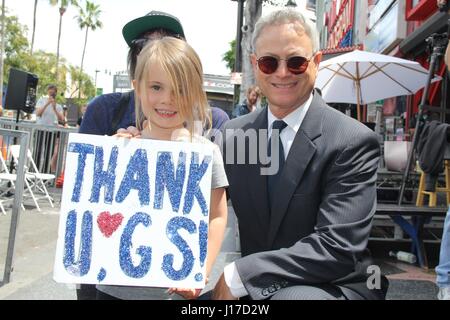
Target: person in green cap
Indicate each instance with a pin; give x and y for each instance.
(108, 113)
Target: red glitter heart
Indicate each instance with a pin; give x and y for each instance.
(108, 223)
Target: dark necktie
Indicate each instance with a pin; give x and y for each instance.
(272, 179)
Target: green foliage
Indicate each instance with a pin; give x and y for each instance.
(87, 88)
(89, 17)
(63, 4)
(230, 56)
(16, 43)
(41, 63)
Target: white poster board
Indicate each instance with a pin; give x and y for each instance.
(134, 212)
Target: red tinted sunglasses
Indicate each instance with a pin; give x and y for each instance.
(296, 65)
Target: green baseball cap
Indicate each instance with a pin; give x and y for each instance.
(152, 20)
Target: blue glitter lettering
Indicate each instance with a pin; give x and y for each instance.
(101, 275)
(104, 178)
(126, 262)
(203, 241)
(81, 267)
(188, 257)
(83, 150)
(196, 173)
(165, 177)
(136, 177)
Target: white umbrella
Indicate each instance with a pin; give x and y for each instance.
(362, 77)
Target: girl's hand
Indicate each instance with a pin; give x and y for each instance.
(188, 294)
(130, 132)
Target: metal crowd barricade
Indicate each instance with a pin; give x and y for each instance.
(23, 138)
(47, 144)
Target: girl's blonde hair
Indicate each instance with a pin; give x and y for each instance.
(184, 69)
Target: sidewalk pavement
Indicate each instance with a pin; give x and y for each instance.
(32, 276)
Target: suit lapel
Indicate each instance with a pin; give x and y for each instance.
(300, 154)
(256, 182)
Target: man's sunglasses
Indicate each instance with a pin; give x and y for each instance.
(296, 65)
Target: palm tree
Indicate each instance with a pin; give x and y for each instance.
(34, 26)
(89, 19)
(63, 4)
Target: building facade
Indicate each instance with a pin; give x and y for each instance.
(392, 27)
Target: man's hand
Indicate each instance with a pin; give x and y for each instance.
(221, 290)
(52, 101)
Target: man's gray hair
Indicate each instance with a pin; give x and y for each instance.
(283, 16)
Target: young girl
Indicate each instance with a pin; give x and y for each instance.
(170, 101)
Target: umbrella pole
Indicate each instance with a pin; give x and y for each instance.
(358, 93)
(438, 51)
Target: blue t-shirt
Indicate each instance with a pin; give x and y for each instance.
(100, 112)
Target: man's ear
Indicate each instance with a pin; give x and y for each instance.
(318, 58)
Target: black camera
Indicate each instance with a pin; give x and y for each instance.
(53, 95)
(444, 6)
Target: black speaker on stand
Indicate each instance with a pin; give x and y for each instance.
(21, 94)
(22, 90)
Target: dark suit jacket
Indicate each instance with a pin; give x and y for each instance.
(318, 227)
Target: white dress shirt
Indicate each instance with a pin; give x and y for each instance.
(294, 121)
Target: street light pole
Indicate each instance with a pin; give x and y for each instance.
(95, 85)
(2, 50)
(240, 21)
(238, 51)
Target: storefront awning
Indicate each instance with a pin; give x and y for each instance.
(331, 53)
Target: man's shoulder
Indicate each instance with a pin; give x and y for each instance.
(345, 128)
(337, 118)
(336, 125)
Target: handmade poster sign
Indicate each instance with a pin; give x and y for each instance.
(134, 212)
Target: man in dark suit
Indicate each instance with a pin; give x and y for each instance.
(303, 230)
